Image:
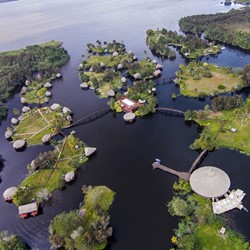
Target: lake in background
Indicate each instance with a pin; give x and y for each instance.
(125, 152)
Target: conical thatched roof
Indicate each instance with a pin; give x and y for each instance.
(129, 117)
(111, 93)
(9, 192)
(25, 109)
(89, 151)
(14, 121)
(23, 100)
(55, 106)
(210, 182)
(48, 93)
(19, 144)
(66, 110)
(69, 176)
(137, 76)
(47, 85)
(46, 138)
(8, 134)
(84, 85)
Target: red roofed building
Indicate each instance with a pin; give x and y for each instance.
(128, 105)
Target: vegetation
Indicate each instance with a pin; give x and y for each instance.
(104, 73)
(106, 47)
(39, 122)
(85, 228)
(225, 128)
(36, 60)
(198, 227)
(190, 46)
(203, 79)
(245, 2)
(46, 172)
(10, 241)
(232, 27)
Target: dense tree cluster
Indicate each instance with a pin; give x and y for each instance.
(106, 47)
(17, 66)
(190, 45)
(226, 102)
(232, 27)
(85, 228)
(10, 241)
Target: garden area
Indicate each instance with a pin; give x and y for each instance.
(203, 79)
(224, 128)
(47, 171)
(37, 123)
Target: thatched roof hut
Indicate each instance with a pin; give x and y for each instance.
(129, 117)
(25, 109)
(48, 93)
(69, 176)
(210, 182)
(19, 144)
(137, 76)
(84, 85)
(55, 106)
(111, 93)
(9, 193)
(23, 100)
(8, 134)
(23, 90)
(46, 138)
(14, 121)
(89, 151)
(47, 85)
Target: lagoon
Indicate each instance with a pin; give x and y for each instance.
(125, 152)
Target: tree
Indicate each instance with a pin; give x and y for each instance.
(10, 241)
(178, 207)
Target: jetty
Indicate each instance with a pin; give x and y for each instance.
(182, 175)
(89, 118)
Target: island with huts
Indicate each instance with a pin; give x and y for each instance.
(49, 171)
(112, 72)
(34, 65)
(38, 125)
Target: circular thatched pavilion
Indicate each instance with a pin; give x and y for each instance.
(210, 182)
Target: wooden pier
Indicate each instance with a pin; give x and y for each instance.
(89, 118)
(182, 175)
(171, 111)
(198, 160)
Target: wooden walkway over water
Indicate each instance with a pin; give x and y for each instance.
(89, 118)
(171, 111)
(198, 160)
(182, 175)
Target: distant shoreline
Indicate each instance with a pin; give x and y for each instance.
(5, 1)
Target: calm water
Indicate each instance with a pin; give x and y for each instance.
(125, 152)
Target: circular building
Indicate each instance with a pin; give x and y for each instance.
(209, 182)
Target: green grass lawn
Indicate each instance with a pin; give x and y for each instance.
(33, 126)
(239, 119)
(52, 178)
(221, 81)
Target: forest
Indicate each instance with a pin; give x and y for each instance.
(37, 60)
(232, 28)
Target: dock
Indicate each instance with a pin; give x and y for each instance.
(171, 111)
(182, 175)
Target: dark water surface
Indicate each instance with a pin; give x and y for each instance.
(125, 152)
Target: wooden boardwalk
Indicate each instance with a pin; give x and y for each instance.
(182, 175)
(89, 118)
(198, 160)
(171, 111)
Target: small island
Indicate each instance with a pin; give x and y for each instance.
(34, 124)
(226, 124)
(231, 28)
(190, 46)
(48, 170)
(87, 227)
(199, 227)
(35, 62)
(10, 241)
(202, 79)
(117, 74)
